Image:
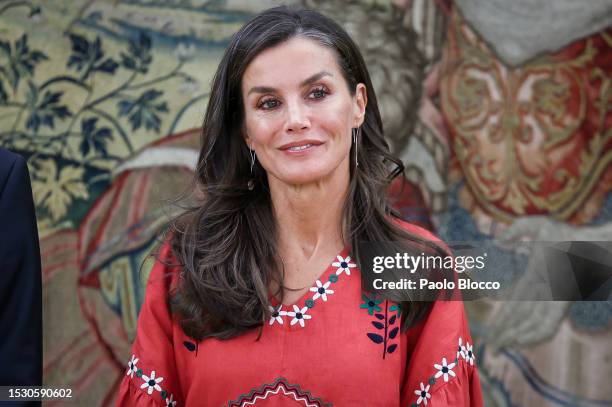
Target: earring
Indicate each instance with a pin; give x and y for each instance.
(251, 183)
(356, 134)
(252, 152)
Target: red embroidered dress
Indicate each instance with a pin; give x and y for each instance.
(335, 346)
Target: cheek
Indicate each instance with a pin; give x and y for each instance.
(261, 129)
(336, 123)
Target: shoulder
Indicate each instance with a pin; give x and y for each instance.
(17, 212)
(416, 230)
(165, 273)
(7, 156)
(11, 166)
(155, 313)
(422, 233)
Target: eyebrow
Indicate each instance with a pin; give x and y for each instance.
(307, 81)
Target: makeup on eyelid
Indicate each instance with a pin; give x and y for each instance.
(298, 117)
(321, 89)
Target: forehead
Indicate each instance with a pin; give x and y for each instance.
(289, 63)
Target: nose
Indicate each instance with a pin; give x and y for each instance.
(297, 117)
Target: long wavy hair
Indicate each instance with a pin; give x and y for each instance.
(227, 243)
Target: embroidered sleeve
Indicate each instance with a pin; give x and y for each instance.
(440, 361)
(150, 377)
(441, 364)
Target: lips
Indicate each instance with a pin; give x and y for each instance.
(300, 145)
(299, 148)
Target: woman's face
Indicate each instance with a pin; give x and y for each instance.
(299, 112)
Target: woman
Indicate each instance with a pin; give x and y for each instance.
(258, 299)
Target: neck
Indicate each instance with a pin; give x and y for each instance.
(309, 216)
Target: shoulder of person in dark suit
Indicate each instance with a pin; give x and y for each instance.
(20, 277)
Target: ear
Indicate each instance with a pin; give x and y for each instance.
(360, 102)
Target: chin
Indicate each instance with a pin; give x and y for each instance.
(303, 175)
(302, 179)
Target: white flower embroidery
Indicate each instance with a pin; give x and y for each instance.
(132, 366)
(344, 265)
(461, 349)
(464, 353)
(170, 402)
(423, 394)
(299, 315)
(151, 382)
(469, 353)
(445, 370)
(321, 290)
(277, 314)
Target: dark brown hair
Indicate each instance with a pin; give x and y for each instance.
(226, 243)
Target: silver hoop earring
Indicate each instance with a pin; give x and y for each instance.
(356, 134)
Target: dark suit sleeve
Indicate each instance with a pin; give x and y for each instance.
(20, 278)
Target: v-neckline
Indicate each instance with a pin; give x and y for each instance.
(323, 277)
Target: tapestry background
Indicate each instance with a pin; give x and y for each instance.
(501, 113)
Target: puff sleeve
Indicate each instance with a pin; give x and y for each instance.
(151, 377)
(441, 365)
